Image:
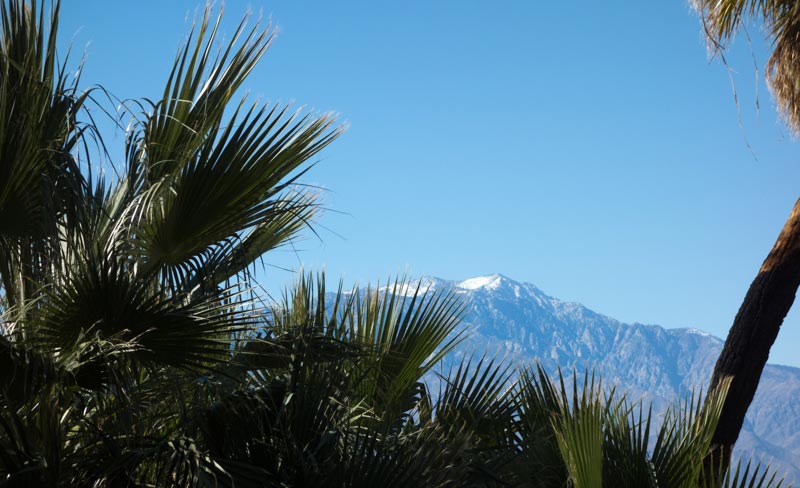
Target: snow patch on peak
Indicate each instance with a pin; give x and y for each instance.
(490, 282)
(410, 288)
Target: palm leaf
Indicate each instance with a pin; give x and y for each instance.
(579, 433)
(409, 330)
(539, 461)
(203, 181)
(781, 19)
(103, 299)
(40, 182)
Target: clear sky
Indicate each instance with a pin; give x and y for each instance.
(587, 147)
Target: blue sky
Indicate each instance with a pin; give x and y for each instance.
(589, 148)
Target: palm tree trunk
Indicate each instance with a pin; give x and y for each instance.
(753, 332)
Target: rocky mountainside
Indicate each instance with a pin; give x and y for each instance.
(650, 362)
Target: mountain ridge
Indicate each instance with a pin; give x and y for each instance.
(657, 364)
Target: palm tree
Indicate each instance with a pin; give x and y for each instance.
(772, 292)
(593, 437)
(123, 290)
(132, 337)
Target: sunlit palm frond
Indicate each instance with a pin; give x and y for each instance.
(238, 179)
(749, 475)
(627, 448)
(479, 395)
(408, 329)
(685, 437)
(781, 18)
(288, 217)
(197, 93)
(579, 432)
(205, 180)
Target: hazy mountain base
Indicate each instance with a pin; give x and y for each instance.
(647, 361)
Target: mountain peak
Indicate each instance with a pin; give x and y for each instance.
(516, 320)
(490, 282)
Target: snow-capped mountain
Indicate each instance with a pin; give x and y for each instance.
(519, 320)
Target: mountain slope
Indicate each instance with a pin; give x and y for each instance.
(651, 362)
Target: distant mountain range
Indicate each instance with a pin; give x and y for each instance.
(648, 361)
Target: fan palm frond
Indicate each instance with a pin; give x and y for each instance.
(781, 18)
(40, 181)
(205, 180)
(409, 329)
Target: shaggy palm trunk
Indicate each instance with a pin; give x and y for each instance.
(753, 332)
